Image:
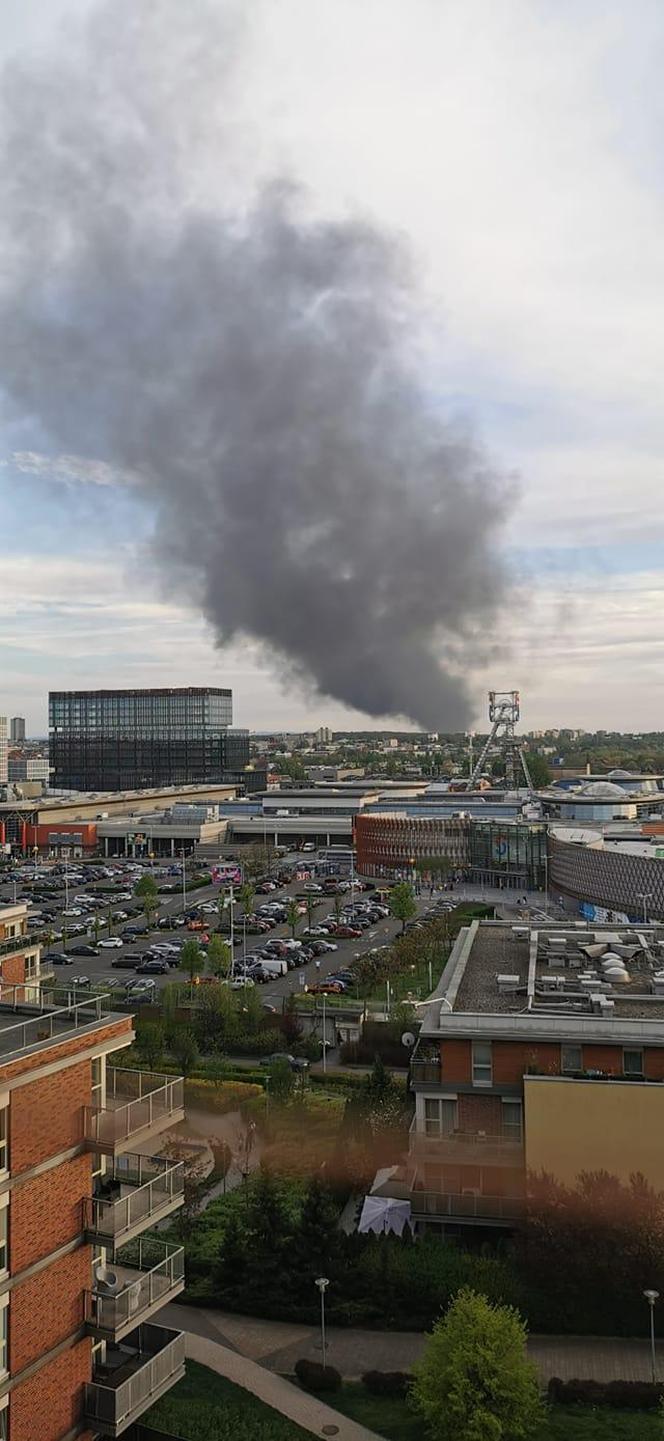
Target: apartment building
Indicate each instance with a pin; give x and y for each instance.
(81, 1281)
(542, 1051)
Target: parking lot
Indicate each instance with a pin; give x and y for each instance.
(72, 896)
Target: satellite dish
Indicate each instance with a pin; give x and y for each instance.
(408, 1039)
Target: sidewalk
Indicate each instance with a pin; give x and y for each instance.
(277, 1345)
(306, 1410)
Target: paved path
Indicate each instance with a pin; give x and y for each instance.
(277, 1345)
(310, 1413)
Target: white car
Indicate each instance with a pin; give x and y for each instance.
(112, 943)
(73, 911)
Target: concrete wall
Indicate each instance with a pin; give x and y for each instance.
(614, 1126)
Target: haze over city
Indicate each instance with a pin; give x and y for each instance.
(513, 151)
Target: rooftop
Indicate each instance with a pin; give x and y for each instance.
(32, 1025)
(570, 979)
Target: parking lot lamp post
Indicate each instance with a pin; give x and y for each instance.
(184, 881)
(651, 1298)
(324, 1037)
(322, 1284)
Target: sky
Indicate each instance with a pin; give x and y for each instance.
(517, 147)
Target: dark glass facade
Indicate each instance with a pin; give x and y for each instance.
(135, 739)
(512, 855)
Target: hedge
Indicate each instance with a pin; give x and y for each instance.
(621, 1395)
(316, 1377)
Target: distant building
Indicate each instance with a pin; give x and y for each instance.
(3, 750)
(28, 768)
(134, 739)
(323, 736)
(17, 728)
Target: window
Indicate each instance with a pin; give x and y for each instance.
(4, 1327)
(482, 1067)
(571, 1058)
(97, 1096)
(4, 1231)
(512, 1120)
(4, 1130)
(440, 1117)
(633, 1063)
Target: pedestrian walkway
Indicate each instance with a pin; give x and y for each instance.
(300, 1406)
(277, 1345)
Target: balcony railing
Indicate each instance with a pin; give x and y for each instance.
(133, 1377)
(139, 1191)
(40, 1019)
(424, 1072)
(144, 1275)
(470, 1148)
(467, 1206)
(136, 1102)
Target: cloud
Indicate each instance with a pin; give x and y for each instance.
(69, 469)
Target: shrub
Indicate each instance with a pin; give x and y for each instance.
(622, 1395)
(387, 1383)
(316, 1377)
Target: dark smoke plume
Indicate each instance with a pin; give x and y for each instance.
(250, 366)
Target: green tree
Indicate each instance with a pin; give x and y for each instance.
(437, 866)
(246, 895)
(184, 1050)
(96, 926)
(311, 904)
(281, 1081)
(218, 957)
(540, 770)
(109, 919)
(147, 891)
(474, 1381)
(402, 903)
(337, 907)
(150, 1038)
(292, 916)
(256, 861)
(191, 960)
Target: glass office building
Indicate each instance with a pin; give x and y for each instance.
(117, 740)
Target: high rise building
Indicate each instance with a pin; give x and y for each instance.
(3, 750)
(28, 768)
(118, 740)
(81, 1353)
(17, 728)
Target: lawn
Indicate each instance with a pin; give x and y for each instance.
(206, 1407)
(393, 1419)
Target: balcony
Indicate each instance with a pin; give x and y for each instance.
(136, 1192)
(467, 1206)
(134, 1375)
(144, 1276)
(426, 1072)
(139, 1104)
(467, 1148)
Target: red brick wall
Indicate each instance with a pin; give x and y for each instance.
(480, 1113)
(512, 1058)
(46, 1213)
(56, 1297)
(455, 1061)
(71, 1046)
(654, 1063)
(603, 1058)
(46, 1116)
(47, 1406)
(12, 970)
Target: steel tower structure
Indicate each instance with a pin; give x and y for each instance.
(504, 712)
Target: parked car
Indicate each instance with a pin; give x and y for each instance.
(347, 933)
(111, 943)
(59, 958)
(296, 1063)
(128, 960)
(80, 981)
(327, 988)
(84, 951)
(152, 968)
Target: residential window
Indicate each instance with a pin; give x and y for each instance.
(440, 1117)
(512, 1120)
(633, 1063)
(482, 1066)
(4, 1231)
(571, 1058)
(4, 1143)
(4, 1330)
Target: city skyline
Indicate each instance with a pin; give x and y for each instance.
(535, 224)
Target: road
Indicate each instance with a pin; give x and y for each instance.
(100, 970)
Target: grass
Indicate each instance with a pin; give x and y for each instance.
(392, 1418)
(207, 1407)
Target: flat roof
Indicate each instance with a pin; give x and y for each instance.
(26, 1027)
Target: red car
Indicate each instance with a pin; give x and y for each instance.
(347, 933)
(326, 988)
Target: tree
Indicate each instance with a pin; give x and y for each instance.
(218, 957)
(184, 1050)
(292, 1026)
(146, 890)
(257, 860)
(292, 916)
(337, 907)
(150, 1039)
(246, 895)
(474, 1381)
(109, 919)
(311, 906)
(402, 903)
(96, 927)
(540, 771)
(436, 866)
(191, 960)
(281, 1081)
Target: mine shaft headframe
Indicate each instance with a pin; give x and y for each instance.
(504, 707)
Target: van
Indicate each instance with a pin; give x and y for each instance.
(275, 967)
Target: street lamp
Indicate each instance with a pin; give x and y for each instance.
(651, 1297)
(322, 1284)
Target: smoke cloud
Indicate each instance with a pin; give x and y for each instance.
(254, 369)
